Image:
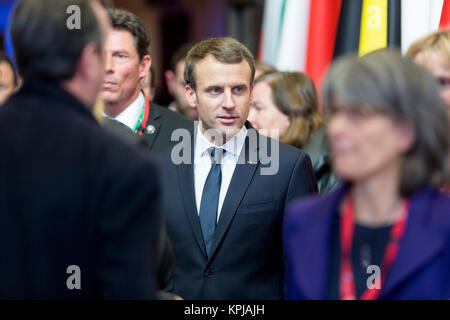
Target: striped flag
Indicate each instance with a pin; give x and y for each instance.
(394, 23)
(418, 19)
(347, 38)
(323, 22)
(294, 36)
(373, 34)
(272, 24)
(445, 16)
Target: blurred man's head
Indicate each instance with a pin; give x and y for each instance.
(219, 76)
(175, 82)
(127, 61)
(8, 78)
(47, 47)
(433, 52)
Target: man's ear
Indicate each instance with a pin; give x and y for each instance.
(169, 75)
(191, 96)
(145, 65)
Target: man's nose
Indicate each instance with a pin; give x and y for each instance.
(109, 64)
(228, 102)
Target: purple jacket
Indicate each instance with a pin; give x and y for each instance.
(422, 267)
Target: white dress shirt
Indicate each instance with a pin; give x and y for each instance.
(130, 115)
(202, 163)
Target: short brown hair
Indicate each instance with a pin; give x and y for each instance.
(224, 49)
(125, 20)
(438, 41)
(295, 95)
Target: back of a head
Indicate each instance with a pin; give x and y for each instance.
(45, 45)
(125, 20)
(180, 55)
(223, 49)
(402, 90)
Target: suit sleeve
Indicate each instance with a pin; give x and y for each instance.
(127, 228)
(302, 180)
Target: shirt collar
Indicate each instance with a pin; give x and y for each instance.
(131, 114)
(232, 147)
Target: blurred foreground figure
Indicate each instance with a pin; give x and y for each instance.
(77, 207)
(385, 234)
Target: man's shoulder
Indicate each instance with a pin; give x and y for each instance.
(286, 152)
(176, 119)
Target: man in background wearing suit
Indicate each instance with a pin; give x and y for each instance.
(78, 207)
(224, 205)
(127, 63)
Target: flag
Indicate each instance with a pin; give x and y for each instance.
(294, 35)
(272, 24)
(347, 37)
(373, 34)
(394, 23)
(445, 16)
(323, 23)
(419, 18)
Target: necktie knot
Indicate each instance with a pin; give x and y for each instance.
(216, 155)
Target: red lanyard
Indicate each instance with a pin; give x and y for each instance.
(346, 278)
(140, 131)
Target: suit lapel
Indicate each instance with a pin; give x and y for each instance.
(152, 129)
(187, 189)
(418, 246)
(242, 176)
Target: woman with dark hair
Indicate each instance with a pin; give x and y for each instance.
(285, 106)
(385, 233)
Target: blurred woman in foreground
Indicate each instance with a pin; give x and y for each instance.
(384, 234)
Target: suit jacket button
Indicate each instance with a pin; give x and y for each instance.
(208, 274)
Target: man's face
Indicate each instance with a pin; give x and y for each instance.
(124, 69)
(6, 81)
(223, 95)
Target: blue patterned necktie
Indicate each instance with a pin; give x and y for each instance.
(210, 198)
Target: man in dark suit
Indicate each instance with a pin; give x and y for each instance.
(127, 63)
(225, 189)
(78, 207)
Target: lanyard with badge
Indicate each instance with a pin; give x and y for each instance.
(346, 279)
(143, 117)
